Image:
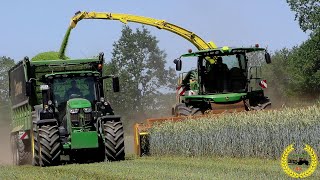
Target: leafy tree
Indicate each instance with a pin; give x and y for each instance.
(5, 64)
(140, 65)
(307, 13)
(305, 67)
(294, 74)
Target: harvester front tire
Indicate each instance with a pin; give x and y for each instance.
(196, 112)
(49, 145)
(183, 110)
(187, 111)
(114, 141)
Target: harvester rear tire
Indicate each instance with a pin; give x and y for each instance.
(49, 145)
(114, 141)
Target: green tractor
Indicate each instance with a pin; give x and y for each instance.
(60, 113)
(224, 81)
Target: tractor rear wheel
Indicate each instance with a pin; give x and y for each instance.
(49, 145)
(114, 140)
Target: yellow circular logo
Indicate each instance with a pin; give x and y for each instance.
(306, 173)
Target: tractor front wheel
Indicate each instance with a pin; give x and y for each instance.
(49, 145)
(114, 140)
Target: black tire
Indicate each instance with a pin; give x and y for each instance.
(20, 153)
(267, 107)
(196, 112)
(183, 110)
(114, 141)
(49, 145)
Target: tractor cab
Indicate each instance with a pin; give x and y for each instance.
(225, 78)
(75, 99)
(223, 70)
(72, 94)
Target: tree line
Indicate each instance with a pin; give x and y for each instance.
(294, 75)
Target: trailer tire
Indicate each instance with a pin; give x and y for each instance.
(19, 154)
(114, 141)
(49, 145)
(15, 151)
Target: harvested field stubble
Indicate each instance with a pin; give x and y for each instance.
(251, 134)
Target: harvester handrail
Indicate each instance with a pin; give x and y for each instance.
(125, 18)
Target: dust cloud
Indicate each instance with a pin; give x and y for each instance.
(5, 150)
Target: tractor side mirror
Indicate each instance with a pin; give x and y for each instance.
(267, 57)
(178, 63)
(28, 88)
(115, 84)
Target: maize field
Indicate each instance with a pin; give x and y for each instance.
(263, 134)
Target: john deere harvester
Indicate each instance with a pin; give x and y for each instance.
(224, 81)
(60, 113)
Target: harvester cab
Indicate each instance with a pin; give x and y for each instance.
(224, 81)
(66, 115)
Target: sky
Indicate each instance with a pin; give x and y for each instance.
(30, 27)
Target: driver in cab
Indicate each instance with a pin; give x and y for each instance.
(73, 90)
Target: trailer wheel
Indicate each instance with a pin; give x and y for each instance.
(49, 145)
(20, 155)
(14, 151)
(114, 141)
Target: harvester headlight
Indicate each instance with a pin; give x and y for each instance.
(74, 111)
(87, 110)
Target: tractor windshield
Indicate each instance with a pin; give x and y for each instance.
(227, 74)
(67, 88)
